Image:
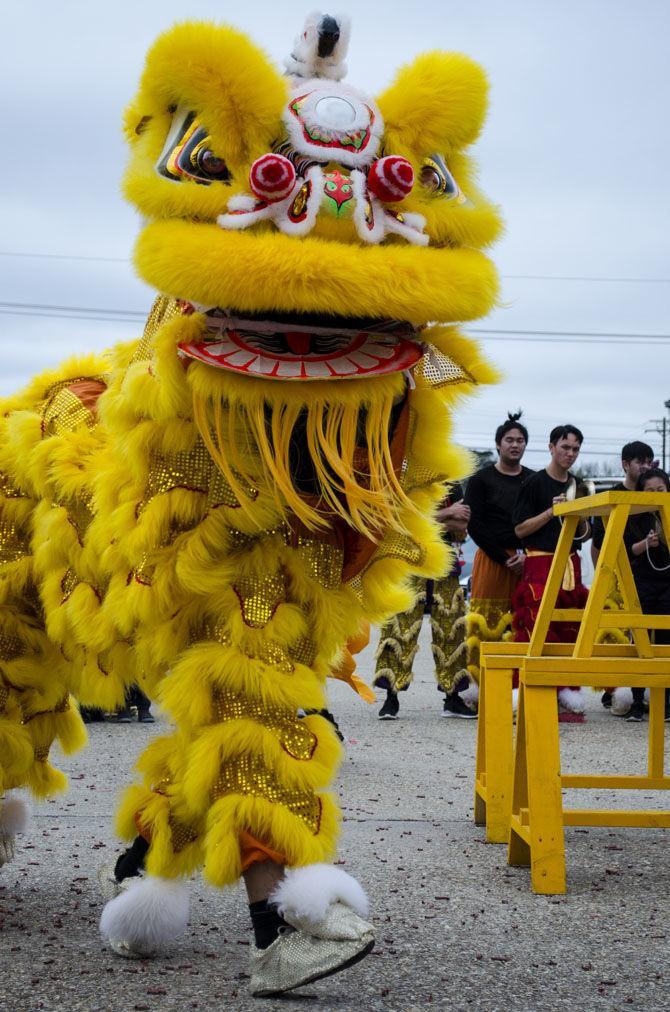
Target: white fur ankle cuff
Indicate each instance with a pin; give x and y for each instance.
(148, 915)
(14, 812)
(306, 893)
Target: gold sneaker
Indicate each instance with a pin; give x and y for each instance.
(305, 952)
(7, 848)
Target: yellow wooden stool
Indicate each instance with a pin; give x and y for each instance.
(537, 816)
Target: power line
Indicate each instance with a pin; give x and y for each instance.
(548, 336)
(64, 256)
(579, 277)
(598, 337)
(516, 277)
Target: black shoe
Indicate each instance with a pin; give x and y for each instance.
(91, 715)
(636, 714)
(606, 700)
(145, 717)
(123, 716)
(667, 713)
(389, 710)
(455, 707)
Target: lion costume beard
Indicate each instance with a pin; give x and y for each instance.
(220, 537)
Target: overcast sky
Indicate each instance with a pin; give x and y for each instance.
(576, 151)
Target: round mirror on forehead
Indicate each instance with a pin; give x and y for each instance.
(335, 112)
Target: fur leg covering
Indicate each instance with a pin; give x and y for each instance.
(14, 813)
(146, 917)
(470, 696)
(305, 895)
(572, 700)
(13, 819)
(622, 700)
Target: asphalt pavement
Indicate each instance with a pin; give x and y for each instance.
(457, 928)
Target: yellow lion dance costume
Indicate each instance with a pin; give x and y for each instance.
(214, 511)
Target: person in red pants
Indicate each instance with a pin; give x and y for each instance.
(538, 530)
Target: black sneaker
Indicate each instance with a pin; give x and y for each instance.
(455, 707)
(636, 714)
(606, 700)
(123, 716)
(389, 710)
(145, 717)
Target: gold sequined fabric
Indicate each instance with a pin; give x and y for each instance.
(163, 310)
(68, 584)
(41, 753)
(322, 560)
(11, 647)
(62, 706)
(259, 597)
(439, 370)
(182, 834)
(291, 732)
(8, 489)
(65, 412)
(14, 542)
(248, 775)
(192, 470)
(270, 652)
(304, 651)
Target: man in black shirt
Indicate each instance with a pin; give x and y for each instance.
(650, 561)
(538, 530)
(491, 495)
(636, 458)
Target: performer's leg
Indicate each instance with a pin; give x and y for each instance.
(398, 645)
(448, 629)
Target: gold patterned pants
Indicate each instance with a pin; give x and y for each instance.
(444, 601)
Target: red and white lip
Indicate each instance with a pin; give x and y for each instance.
(300, 355)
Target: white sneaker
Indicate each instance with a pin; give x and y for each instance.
(305, 952)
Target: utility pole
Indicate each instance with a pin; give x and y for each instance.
(660, 425)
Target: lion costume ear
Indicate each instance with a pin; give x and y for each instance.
(436, 103)
(216, 72)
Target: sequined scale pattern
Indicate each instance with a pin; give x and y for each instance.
(289, 729)
(248, 775)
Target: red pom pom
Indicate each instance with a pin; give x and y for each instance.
(390, 178)
(272, 177)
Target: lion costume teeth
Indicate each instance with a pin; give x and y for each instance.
(215, 510)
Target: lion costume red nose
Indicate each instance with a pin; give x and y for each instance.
(272, 177)
(390, 178)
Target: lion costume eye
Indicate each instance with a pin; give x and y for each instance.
(187, 153)
(436, 177)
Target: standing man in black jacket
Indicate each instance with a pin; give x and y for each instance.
(491, 495)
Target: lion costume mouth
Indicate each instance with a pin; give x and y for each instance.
(305, 346)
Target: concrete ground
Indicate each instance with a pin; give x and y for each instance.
(457, 928)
